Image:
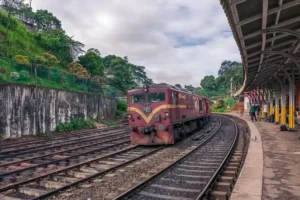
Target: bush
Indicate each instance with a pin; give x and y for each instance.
(121, 107)
(14, 75)
(24, 75)
(74, 125)
(2, 77)
(2, 70)
(22, 59)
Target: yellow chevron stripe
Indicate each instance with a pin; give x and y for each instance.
(148, 119)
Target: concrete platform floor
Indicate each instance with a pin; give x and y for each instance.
(281, 162)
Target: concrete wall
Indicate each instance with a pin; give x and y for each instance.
(25, 110)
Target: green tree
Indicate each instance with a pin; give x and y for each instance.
(46, 21)
(57, 42)
(140, 76)
(190, 88)
(123, 75)
(178, 85)
(228, 70)
(92, 61)
(208, 83)
(12, 7)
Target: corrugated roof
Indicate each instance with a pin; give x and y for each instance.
(267, 34)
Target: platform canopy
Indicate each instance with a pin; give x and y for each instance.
(268, 37)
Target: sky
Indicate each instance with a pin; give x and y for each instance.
(178, 41)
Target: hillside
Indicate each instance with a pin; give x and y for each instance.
(21, 40)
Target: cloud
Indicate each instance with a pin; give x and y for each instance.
(177, 41)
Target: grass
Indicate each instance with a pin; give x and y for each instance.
(110, 122)
(22, 41)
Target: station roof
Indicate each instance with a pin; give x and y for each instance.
(268, 37)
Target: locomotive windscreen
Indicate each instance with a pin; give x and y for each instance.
(148, 98)
(156, 97)
(138, 98)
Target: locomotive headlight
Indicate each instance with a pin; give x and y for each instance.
(129, 116)
(167, 114)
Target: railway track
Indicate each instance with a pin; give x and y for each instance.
(193, 174)
(54, 140)
(52, 183)
(18, 165)
(93, 166)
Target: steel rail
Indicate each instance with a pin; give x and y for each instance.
(133, 190)
(57, 137)
(51, 193)
(21, 183)
(59, 152)
(215, 176)
(51, 146)
(17, 172)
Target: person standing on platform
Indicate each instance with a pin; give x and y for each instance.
(252, 113)
(266, 111)
(258, 112)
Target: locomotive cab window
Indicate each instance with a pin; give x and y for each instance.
(138, 98)
(156, 97)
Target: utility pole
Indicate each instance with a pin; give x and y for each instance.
(231, 87)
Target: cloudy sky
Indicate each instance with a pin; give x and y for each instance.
(178, 41)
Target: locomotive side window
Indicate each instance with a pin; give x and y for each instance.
(200, 105)
(138, 98)
(174, 98)
(156, 97)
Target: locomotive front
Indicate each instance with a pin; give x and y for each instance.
(149, 116)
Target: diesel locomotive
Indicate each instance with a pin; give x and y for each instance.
(162, 114)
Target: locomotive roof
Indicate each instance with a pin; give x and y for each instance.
(164, 85)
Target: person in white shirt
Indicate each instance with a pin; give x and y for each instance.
(266, 111)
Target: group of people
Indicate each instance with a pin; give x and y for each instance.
(255, 112)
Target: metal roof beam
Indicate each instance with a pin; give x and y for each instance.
(291, 57)
(271, 59)
(271, 11)
(284, 23)
(258, 52)
(281, 30)
(234, 2)
(276, 22)
(263, 27)
(270, 39)
(277, 45)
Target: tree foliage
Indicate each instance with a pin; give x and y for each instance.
(79, 70)
(93, 62)
(220, 86)
(208, 83)
(57, 42)
(62, 49)
(178, 85)
(46, 21)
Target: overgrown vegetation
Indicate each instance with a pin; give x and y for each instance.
(74, 125)
(224, 105)
(45, 35)
(229, 72)
(121, 107)
(110, 122)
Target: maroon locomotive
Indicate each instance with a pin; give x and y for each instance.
(162, 114)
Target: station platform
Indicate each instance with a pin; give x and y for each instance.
(272, 166)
